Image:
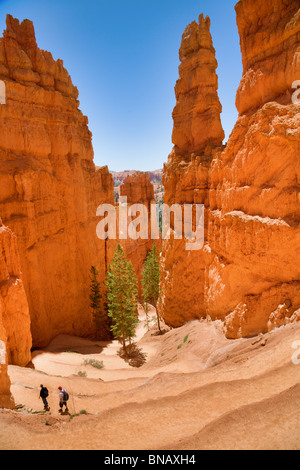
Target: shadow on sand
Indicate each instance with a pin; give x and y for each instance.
(133, 355)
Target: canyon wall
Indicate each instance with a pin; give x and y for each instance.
(13, 302)
(248, 272)
(6, 399)
(253, 264)
(49, 186)
(15, 341)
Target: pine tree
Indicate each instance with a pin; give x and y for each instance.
(99, 315)
(122, 297)
(150, 280)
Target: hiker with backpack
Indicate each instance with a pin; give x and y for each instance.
(44, 395)
(63, 399)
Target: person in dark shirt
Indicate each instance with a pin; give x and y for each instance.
(44, 395)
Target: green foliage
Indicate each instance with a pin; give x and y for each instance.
(150, 280)
(184, 341)
(81, 373)
(98, 312)
(122, 297)
(94, 363)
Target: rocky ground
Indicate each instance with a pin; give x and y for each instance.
(197, 390)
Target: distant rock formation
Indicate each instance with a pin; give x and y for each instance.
(154, 176)
(49, 187)
(248, 272)
(138, 190)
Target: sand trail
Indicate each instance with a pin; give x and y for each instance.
(196, 390)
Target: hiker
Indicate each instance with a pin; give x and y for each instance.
(44, 395)
(63, 399)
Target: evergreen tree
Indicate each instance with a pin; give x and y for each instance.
(99, 315)
(150, 280)
(122, 297)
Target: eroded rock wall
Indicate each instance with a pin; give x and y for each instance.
(13, 301)
(6, 399)
(15, 335)
(49, 187)
(254, 218)
(248, 271)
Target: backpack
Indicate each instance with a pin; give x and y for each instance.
(44, 392)
(66, 396)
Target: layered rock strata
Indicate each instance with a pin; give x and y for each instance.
(49, 187)
(197, 134)
(13, 302)
(254, 225)
(15, 335)
(6, 399)
(248, 272)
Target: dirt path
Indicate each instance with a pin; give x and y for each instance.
(196, 390)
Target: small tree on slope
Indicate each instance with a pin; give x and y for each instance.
(122, 294)
(98, 312)
(150, 280)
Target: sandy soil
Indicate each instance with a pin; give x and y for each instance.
(197, 390)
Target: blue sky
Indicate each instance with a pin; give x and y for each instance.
(123, 57)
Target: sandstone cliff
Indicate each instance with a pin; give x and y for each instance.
(248, 272)
(6, 399)
(13, 302)
(253, 273)
(15, 336)
(49, 187)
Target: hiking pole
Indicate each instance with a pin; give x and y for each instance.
(73, 399)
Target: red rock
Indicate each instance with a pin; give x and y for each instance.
(138, 190)
(197, 112)
(13, 301)
(15, 336)
(49, 187)
(248, 271)
(6, 399)
(197, 133)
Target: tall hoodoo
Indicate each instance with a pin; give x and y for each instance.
(197, 133)
(49, 187)
(196, 115)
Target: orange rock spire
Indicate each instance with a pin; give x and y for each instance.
(197, 112)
